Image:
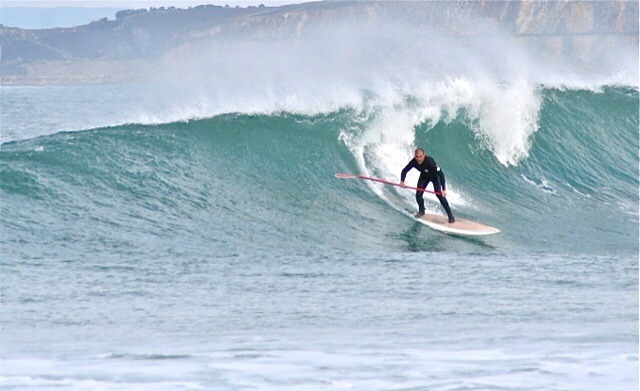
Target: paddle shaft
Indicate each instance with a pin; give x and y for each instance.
(368, 178)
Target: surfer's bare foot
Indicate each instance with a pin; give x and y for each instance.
(419, 214)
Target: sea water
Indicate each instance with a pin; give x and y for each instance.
(156, 236)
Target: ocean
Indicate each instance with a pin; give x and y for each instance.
(168, 237)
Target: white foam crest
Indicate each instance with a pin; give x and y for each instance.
(506, 116)
(197, 102)
(312, 77)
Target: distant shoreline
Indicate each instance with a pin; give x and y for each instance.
(66, 80)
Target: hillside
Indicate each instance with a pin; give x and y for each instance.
(121, 49)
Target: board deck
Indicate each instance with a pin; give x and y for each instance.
(460, 227)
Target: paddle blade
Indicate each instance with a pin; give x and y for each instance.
(347, 176)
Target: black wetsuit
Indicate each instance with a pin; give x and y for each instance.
(429, 172)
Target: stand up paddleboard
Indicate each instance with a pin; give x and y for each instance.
(440, 223)
(460, 227)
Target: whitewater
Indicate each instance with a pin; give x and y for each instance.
(188, 232)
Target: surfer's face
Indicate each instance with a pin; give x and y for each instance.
(419, 157)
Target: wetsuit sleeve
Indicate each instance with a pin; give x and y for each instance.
(405, 170)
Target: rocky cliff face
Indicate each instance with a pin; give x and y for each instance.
(515, 17)
(579, 29)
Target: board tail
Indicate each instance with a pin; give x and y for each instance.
(368, 178)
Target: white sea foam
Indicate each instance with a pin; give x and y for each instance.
(347, 366)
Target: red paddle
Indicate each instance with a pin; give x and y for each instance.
(368, 178)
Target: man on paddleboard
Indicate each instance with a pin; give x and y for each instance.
(429, 172)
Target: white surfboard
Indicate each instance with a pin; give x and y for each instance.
(460, 227)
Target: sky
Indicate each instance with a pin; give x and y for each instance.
(128, 4)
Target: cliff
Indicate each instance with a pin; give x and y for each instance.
(121, 49)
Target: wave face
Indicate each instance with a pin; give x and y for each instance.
(559, 175)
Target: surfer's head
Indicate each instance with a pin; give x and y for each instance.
(419, 155)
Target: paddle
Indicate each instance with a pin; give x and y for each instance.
(368, 178)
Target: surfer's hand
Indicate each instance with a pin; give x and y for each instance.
(444, 193)
(403, 185)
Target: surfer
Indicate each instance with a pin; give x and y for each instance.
(429, 172)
